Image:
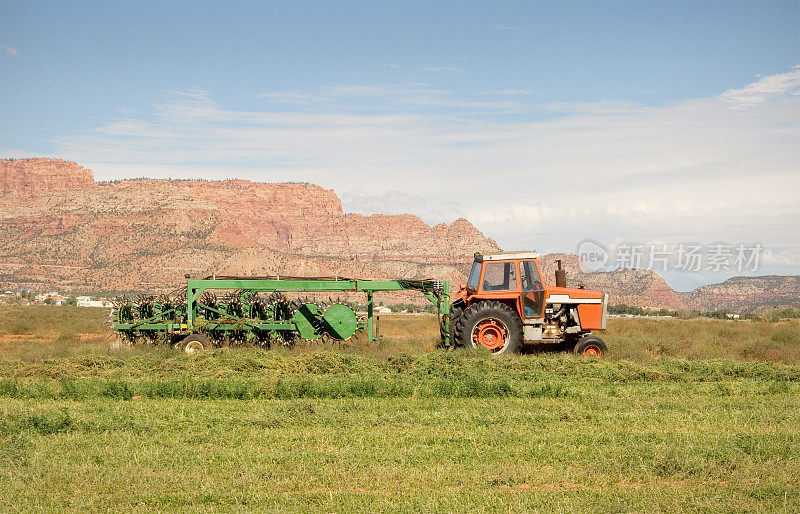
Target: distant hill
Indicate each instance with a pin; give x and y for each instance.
(748, 294)
(61, 229)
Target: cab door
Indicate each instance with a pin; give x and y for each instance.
(532, 290)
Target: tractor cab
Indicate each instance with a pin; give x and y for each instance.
(506, 303)
(509, 276)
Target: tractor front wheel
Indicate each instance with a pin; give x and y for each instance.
(590, 347)
(491, 325)
(196, 343)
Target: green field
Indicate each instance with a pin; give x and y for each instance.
(684, 416)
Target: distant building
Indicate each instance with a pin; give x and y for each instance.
(52, 296)
(88, 301)
(57, 299)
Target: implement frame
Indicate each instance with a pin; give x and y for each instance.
(436, 291)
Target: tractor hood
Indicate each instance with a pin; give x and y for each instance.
(564, 295)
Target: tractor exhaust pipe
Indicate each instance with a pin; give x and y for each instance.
(561, 275)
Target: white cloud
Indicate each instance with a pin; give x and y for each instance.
(599, 107)
(416, 97)
(767, 87)
(9, 50)
(289, 96)
(390, 202)
(196, 93)
(781, 257)
(16, 153)
(359, 90)
(724, 168)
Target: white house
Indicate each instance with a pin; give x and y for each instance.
(87, 301)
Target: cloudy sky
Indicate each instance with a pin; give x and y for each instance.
(545, 124)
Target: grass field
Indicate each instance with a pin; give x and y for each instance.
(683, 416)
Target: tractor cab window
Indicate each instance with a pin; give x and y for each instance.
(474, 276)
(532, 289)
(499, 276)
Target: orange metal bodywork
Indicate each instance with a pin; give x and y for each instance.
(590, 314)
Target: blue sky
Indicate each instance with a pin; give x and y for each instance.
(543, 123)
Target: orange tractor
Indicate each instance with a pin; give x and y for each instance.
(506, 304)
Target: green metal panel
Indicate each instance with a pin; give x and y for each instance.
(378, 285)
(307, 319)
(273, 285)
(340, 323)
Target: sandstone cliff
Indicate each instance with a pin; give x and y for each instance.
(58, 228)
(742, 294)
(34, 176)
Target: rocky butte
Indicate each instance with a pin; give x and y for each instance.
(750, 293)
(39, 176)
(61, 229)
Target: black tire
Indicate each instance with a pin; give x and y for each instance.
(196, 343)
(456, 309)
(497, 318)
(590, 347)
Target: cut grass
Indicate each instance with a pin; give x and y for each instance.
(43, 319)
(645, 339)
(354, 427)
(638, 446)
(33, 334)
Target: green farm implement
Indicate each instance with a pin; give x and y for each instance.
(504, 305)
(263, 310)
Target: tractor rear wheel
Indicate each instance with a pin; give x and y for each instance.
(491, 325)
(196, 343)
(590, 347)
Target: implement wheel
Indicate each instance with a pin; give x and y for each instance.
(196, 343)
(340, 321)
(491, 325)
(590, 347)
(456, 309)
